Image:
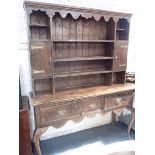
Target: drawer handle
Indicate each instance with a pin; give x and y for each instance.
(33, 47)
(93, 105)
(75, 107)
(38, 71)
(61, 112)
(118, 100)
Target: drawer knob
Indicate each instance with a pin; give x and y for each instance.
(61, 112)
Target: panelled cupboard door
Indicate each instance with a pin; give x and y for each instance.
(41, 59)
(120, 56)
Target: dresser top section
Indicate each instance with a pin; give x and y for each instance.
(75, 11)
(69, 95)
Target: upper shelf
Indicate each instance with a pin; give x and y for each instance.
(83, 58)
(38, 25)
(87, 41)
(120, 29)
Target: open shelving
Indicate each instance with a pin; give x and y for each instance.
(68, 53)
(122, 29)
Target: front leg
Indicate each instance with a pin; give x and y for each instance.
(115, 113)
(36, 138)
(132, 120)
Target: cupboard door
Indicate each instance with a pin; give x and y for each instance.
(120, 56)
(41, 59)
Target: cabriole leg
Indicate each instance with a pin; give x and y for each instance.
(36, 139)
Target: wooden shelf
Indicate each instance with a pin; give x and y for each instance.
(39, 40)
(83, 58)
(42, 77)
(120, 29)
(87, 72)
(84, 41)
(38, 25)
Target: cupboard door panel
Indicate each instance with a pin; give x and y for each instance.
(120, 56)
(41, 59)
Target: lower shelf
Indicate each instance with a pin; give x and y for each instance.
(52, 85)
(119, 77)
(74, 80)
(77, 73)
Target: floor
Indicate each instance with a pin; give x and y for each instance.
(106, 140)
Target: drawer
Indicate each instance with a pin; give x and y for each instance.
(91, 104)
(117, 100)
(61, 111)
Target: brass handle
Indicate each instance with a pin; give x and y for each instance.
(61, 112)
(118, 100)
(93, 105)
(124, 46)
(76, 107)
(33, 47)
(38, 71)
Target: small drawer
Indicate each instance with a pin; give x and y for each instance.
(91, 104)
(117, 100)
(61, 111)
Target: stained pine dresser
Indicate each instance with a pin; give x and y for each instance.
(78, 60)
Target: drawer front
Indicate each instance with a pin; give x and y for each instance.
(91, 104)
(52, 113)
(117, 100)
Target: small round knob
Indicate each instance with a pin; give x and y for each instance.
(116, 57)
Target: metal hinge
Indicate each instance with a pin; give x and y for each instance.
(38, 71)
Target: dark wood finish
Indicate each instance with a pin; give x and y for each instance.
(122, 29)
(63, 41)
(78, 61)
(63, 106)
(41, 59)
(119, 77)
(120, 56)
(117, 100)
(83, 58)
(24, 130)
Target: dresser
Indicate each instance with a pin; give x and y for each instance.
(78, 60)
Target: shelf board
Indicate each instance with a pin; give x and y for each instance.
(87, 72)
(42, 77)
(38, 25)
(39, 40)
(85, 41)
(120, 29)
(83, 58)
